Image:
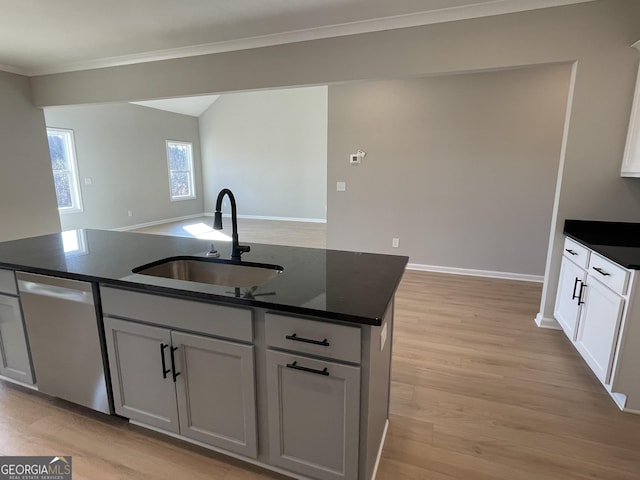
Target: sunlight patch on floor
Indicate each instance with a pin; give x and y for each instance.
(205, 232)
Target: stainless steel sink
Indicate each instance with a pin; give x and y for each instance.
(216, 272)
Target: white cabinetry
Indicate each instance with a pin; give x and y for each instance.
(631, 159)
(599, 310)
(598, 333)
(571, 284)
(15, 362)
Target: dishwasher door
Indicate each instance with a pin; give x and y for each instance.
(64, 338)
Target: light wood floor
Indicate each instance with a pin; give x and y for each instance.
(297, 234)
(478, 393)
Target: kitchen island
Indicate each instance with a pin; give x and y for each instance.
(292, 375)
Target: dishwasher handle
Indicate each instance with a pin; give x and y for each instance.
(53, 291)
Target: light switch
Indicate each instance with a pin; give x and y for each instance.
(341, 186)
(88, 181)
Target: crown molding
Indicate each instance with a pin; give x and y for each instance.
(496, 7)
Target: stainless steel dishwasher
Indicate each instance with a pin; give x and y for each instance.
(65, 339)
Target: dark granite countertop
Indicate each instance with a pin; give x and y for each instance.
(348, 286)
(617, 241)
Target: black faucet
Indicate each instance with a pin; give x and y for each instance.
(236, 249)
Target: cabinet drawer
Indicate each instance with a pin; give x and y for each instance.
(612, 275)
(8, 282)
(309, 336)
(207, 318)
(576, 252)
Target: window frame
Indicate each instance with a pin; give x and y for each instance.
(190, 171)
(74, 176)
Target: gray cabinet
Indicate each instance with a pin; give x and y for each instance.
(143, 387)
(216, 392)
(313, 404)
(199, 387)
(313, 414)
(15, 362)
(301, 395)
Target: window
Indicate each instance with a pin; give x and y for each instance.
(65, 170)
(180, 160)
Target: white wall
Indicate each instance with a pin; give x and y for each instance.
(462, 169)
(270, 149)
(27, 196)
(122, 149)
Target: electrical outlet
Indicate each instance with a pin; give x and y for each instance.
(341, 186)
(130, 213)
(395, 243)
(88, 181)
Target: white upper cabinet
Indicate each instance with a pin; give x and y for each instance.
(631, 160)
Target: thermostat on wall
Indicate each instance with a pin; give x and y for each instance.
(356, 158)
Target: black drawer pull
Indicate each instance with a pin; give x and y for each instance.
(571, 252)
(295, 366)
(295, 337)
(173, 364)
(165, 370)
(601, 272)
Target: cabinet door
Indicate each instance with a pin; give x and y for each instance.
(140, 364)
(13, 344)
(598, 330)
(313, 412)
(567, 310)
(216, 392)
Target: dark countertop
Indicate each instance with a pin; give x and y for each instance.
(617, 241)
(348, 286)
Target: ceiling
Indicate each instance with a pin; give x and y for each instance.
(193, 106)
(43, 36)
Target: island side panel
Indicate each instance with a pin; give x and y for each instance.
(625, 375)
(375, 390)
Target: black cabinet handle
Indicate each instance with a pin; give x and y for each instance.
(571, 252)
(295, 366)
(601, 272)
(575, 286)
(295, 337)
(173, 364)
(580, 300)
(165, 370)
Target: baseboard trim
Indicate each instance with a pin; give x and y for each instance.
(156, 222)
(476, 273)
(547, 322)
(281, 219)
